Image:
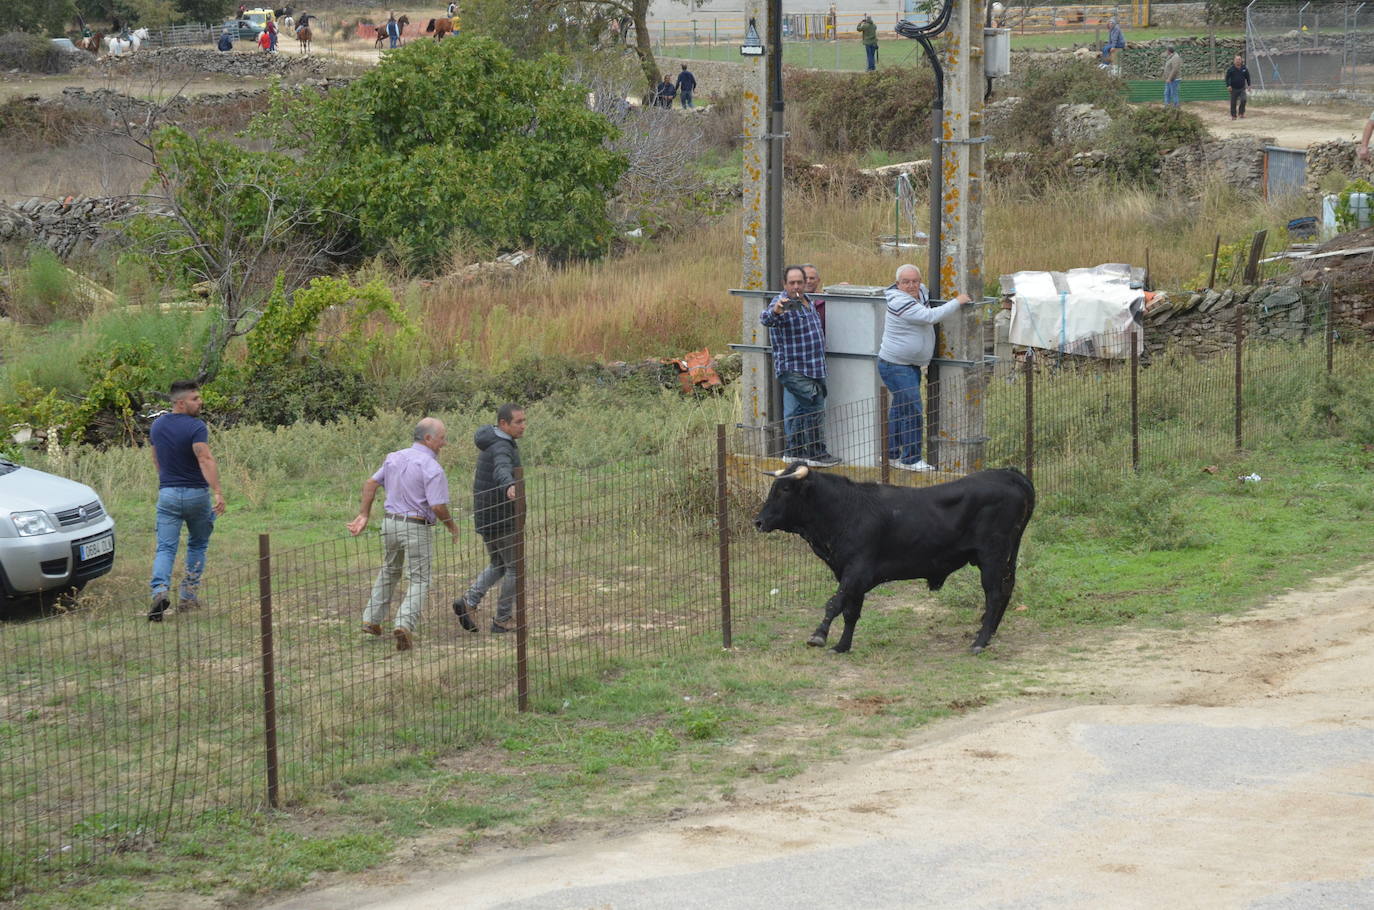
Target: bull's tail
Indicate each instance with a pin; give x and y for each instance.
(430, 28)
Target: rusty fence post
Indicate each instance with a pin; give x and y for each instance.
(1029, 364)
(1135, 402)
(522, 669)
(884, 461)
(269, 673)
(1240, 353)
(723, 529)
(1216, 251)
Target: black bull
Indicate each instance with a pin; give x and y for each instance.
(869, 533)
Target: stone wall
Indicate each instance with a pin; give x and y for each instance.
(67, 227)
(209, 60)
(1201, 56)
(1204, 323)
(1238, 161)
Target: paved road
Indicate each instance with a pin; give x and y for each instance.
(1232, 767)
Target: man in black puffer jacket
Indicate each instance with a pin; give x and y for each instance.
(493, 514)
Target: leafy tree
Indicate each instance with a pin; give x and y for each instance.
(537, 26)
(453, 139)
(238, 219)
(39, 16)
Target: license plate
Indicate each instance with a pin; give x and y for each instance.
(97, 548)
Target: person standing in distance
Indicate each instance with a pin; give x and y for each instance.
(686, 85)
(187, 478)
(798, 342)
(416, 497)
(1173, 78)
(1238, 81)
(907, 346)
(813, 284)
(493, 514)
(869, 29)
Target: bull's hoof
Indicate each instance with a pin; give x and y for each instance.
(976, 649)
(840, 650)
(816, 641)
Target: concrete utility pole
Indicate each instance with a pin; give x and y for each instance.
(960, 437)
(761, 256)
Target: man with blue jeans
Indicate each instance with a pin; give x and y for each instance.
(798, 341)
(869, 30)
(416, 498)
(1173, 78)
(187, 477)
(907, 347)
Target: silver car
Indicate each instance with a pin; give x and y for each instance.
(54, 533)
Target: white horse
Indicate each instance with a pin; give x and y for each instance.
(119, 46)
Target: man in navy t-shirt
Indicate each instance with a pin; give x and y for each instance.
(187, 475)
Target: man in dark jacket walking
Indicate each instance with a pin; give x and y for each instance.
(1238, 81)
(493, 514)
(686, 84)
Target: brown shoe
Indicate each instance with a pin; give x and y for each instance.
(404, 641)
(371, 628)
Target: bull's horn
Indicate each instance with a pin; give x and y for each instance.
(801, 472)
(777, 473)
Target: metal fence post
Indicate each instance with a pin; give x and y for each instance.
(522, 670)
(1135, 402)
(1240, 345)
(723, 529)
(1216, 251)
(884, 462)
(1029, 364)
(1330, 334)
(269, 681)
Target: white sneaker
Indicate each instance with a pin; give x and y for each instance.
(914, 466)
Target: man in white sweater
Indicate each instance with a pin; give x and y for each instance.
(908, 344)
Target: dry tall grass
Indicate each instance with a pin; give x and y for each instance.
(672, 297)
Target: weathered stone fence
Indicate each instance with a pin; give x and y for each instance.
(209, 60)
(1204, 322)
(67, 227)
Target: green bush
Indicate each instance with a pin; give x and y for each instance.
(43, 291)
(1138, 139)
(315, 391)
(1045, 87)
(32, 53)
(453, 139)
(888, 109)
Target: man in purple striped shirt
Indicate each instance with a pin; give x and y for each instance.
(416, 497)
(797, 337)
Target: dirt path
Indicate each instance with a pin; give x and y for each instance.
(1230, 766)
(1290, 125)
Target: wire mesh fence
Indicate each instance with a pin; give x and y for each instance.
(1309, 45)
(115, 730)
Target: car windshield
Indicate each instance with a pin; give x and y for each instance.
(7, 466)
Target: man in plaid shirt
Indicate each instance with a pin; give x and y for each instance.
(798, 340)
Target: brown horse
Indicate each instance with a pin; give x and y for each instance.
(91, 43)
(440, 28)
(401, 24)
(303, 36)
